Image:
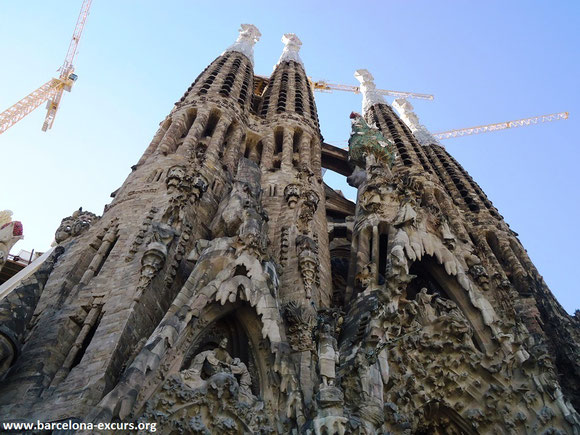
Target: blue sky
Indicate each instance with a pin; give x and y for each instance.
(485, 62)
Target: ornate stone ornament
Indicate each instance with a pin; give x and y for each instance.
(249, 35)
(74, 225)
(292, 194)
(292, 46)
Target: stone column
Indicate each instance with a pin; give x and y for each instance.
(376, 251)
(194, 133)
(363, 251)
(316, 155)
(232, 152)
(217, 139)
(169, 143)
(267, 151)
(287, 148)
(304, 149)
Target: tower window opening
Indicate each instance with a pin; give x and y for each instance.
(211, 124)
(382, 263)
(259, 148)
(279, 140)
(296, 140)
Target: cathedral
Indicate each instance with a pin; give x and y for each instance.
(227, 289)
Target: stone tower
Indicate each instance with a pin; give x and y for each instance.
(226, 288)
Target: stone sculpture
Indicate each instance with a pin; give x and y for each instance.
(228, 289)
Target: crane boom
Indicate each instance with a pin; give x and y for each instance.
(19, 110)
(323, 86)
(67, 66)
(501, 125)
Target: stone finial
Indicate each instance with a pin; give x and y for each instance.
(249, 35)
(368, 89)
(10, 233)
(405, 110)
(292, 46)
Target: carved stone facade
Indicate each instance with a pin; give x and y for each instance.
(227, 289)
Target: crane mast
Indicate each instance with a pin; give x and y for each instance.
(50, 92)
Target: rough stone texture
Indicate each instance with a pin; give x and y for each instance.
(226, 289)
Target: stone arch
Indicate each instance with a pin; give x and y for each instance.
(441, 419)
(446, 286)
(256, 355)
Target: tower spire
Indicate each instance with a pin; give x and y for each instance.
(411, 119)
(292, 46)
(367, 87)
(249, 35)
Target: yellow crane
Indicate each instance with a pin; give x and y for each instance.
(324, 86)
(50, 92)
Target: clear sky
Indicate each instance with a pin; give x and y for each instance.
(485, 62)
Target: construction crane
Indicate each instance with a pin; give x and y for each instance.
(50, 92)
(260, 83)
(501, 125)
(324, 86)
(450, 134)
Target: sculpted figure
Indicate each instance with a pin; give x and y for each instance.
(175, 176)
(450, 314)
(210, 362)
(292, 194)
(373, 372)
(425, 308)
(327, 356)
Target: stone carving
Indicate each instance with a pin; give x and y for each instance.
(367, 145)
(366, 278)
(140, 237)
(210, 362)
(284, 245)
(328, 355)
(184, 189)
(436, 321)
(10, 233)
(205, 406)
(300, 320)
(409, 117)
(308, 262)
(155, 253)
(309, 206)
(249, 35)
(292, 46)
(368, 89)
(175, 178)
(74, 225)
(373, 374)
(292, 194)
